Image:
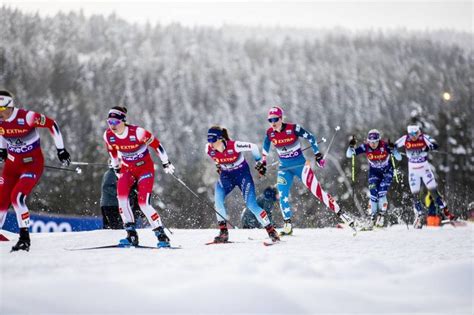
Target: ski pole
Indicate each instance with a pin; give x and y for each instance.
(353, 167)
(88, 164)
(200, 199)
(395, 170)
(308, 147)
(78, 170)
(332, 141)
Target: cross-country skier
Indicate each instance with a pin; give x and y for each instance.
(21, 151)
(234, 171)
(417, 145)
(285, 137)
(380, 171)
(132, 143)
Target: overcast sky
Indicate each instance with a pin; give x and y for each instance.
(355, 14)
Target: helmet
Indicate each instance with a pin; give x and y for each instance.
(6, 99)
(413, 130)
(373, 135)
(275, 111)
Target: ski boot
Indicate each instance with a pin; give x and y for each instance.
(163, 239)
(346, 219)
(379, 220)
(448, 215)
(287, 228)
(24, 241)
(272, 233)
(419, 220)
(132, 236)
(223, 236)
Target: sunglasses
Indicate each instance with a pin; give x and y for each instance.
(212, 139)
(3, 108)
(273, 119)
(113, 121)
(372, 141)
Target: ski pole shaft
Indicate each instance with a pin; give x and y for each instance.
(200, 199)
(332, 141)
(353, 167)
(77, 170)
(308, 147)
(88, 163)
(395, 171)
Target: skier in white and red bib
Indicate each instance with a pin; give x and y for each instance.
(21, 151)
(417, 145)
(132, 143)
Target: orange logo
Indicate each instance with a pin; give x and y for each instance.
(2, 131)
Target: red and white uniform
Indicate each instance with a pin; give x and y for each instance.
(419, 169)
(132, 146)
(24, 165)
(232, 158)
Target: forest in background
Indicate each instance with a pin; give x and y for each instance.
(178, 81)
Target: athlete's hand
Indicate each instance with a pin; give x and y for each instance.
(64, 157)
(319, 160)
(261, 167)
(218, 169)
(428, 148)
(352, 143)
(168, 167)
(390, 145)
(3, 155)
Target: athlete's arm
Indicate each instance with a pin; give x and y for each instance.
(112, 152)
(241, 146)
(144, 136)
(41, 121)
(301, 132)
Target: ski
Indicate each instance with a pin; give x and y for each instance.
(455, 223)
(271, 243)
(216, 243)
(121, 246)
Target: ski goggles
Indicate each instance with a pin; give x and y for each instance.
(373, 138)
(273, 120)
(114, 121)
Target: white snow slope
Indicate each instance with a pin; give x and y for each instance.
(316, 271)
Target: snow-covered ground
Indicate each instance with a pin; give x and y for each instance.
(322, 271)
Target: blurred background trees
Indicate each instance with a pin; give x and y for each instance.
(178, 81)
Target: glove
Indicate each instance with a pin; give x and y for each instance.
(319, 160)
(219, 169)
(64, 157)
(352, 143)
(261, 167)
(3, 155)
(390, 145)
(428, 148)
(168, 167)
(117, 171)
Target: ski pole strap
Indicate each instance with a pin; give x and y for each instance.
(353, 167)
(395, 171)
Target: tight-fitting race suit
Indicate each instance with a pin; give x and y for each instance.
(293, 163)
(24, 164)
(234, 171)
(137, 166)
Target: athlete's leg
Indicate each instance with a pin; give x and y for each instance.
(222, 188)
(375, 180)
(124, 184)
(311, 182)
(383, 189)
(284, 182)
(7, 182)
(248, 192)
(145, 187)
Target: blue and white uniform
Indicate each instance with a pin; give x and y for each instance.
(380, 172)
(236, 172)
(293, 163)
